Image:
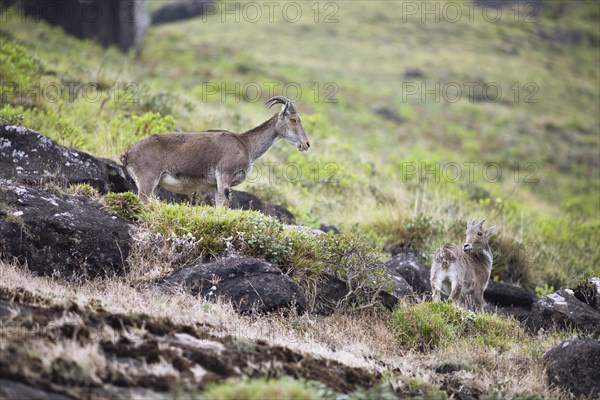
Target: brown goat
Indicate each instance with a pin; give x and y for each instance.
(463, 273)
(191, 161)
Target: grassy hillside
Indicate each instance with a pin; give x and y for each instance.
(399, 164)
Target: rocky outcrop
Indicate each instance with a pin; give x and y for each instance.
(573, 367)
(60, 236)
(252, 285)
(26, 156)
(121, 23)
(562, 310)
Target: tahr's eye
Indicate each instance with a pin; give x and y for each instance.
(293, 120)
(479, 233)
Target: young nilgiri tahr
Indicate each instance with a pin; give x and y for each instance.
(463, 273)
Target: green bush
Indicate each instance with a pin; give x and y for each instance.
(11, 115)
(18, 71)
(82, 189)
(261, 388)
(426, 325)
(495, 331)
(150, 123)
(249, 232)
(353, 257)
(126, 205)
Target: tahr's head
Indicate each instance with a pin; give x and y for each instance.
(476, 236)
(288, 124)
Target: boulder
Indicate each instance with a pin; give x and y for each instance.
(26, 156)
(180, 10)
(405, 265)
(62, 236)
(250, 284)
(504, 295)
(573, 367)
(327, 227)
(331, 291)
(588, 291)
(120, 23)
(562, 310)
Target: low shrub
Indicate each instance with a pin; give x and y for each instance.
(126, 205)
(11, 115)
(82, 189)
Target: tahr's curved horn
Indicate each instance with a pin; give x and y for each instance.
(470, 224)
(282, 100)
(481, 223)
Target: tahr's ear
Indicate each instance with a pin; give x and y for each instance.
(284, 109)
(489, 231)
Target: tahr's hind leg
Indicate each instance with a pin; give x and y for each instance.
(455, 291)
(477, 300)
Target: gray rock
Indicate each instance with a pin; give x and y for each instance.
(61, 236)
(504, 295)
(404, 265)
(17, 390)
(574, 365)
(26, 156)
(326, 227)
(120, 23)
(304, 229)
(180, 10)
(562, 310)
(250, 284)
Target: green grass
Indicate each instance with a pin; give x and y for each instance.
(290, 388)
(257, 389)
(388, 177)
